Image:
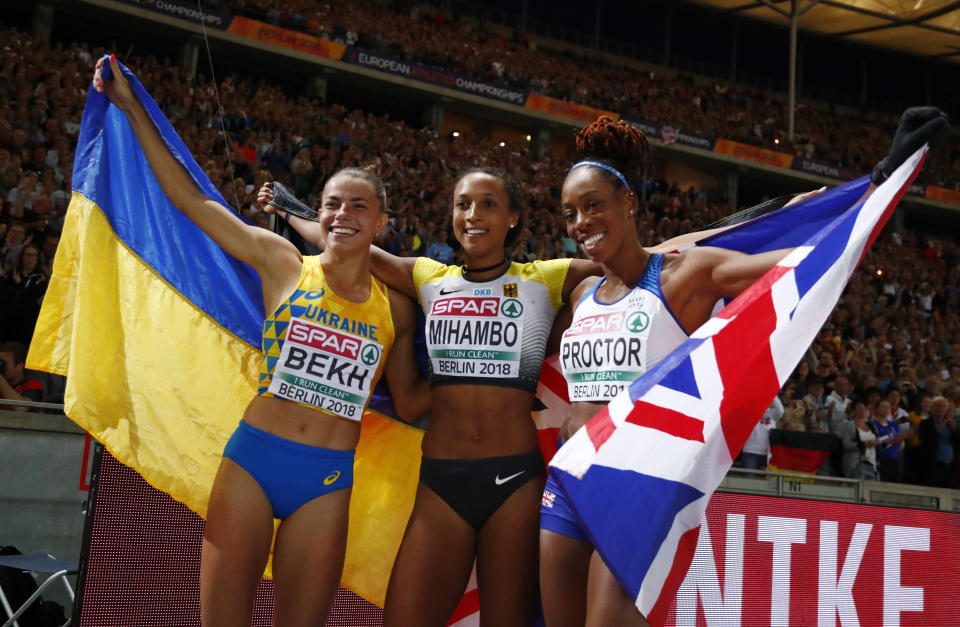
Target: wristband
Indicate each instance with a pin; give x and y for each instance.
(288, 203)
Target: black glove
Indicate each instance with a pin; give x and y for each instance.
(918, 126)
(288, 203)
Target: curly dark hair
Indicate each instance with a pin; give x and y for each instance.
(618, 145)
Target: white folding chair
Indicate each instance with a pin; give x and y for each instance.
(47, 564)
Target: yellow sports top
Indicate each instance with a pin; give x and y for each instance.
(322, 351)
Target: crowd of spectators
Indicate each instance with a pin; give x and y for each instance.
(883, 375)
(435, 37)
(890, 348)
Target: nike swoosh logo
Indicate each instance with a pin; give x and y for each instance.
(442, 293)
(500, 481)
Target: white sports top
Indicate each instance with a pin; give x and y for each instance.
(490, 332)
(609, 345)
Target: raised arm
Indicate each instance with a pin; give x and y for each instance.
(269, 254)
(397, 272)
(309, 229)
(410, 393)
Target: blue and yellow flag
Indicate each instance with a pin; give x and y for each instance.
(158, 332)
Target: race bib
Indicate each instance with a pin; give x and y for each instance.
(604, 353)
(475, 336)
(327, 369)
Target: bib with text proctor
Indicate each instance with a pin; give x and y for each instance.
(328, 369)
(475, 336)
(604, 352)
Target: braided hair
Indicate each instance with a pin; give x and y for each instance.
(618, 145)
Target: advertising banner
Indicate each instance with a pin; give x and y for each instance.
(650, 129)
(943, 194)
(286, 38)
(694, 140)
(815, 167)
(753, 153)
(411, 69)
(565, 109)
(212, 18)
(671, 135)
(779, 561)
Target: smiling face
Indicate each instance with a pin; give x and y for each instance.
(597, 213)
(351, 215)
(482, 216)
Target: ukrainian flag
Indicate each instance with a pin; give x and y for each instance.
(158, 333)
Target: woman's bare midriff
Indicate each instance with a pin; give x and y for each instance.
(301, 424)
(580, 414)
(473, 421)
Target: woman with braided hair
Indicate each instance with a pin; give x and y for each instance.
(644, 306)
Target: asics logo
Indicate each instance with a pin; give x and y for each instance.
(331, 477)
(497, 480)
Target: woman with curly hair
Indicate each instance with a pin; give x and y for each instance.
(644, 306)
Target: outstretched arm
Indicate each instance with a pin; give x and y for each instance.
(734, 271)
(267, 253)
(410, 393)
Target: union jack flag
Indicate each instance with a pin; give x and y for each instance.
(641, 472)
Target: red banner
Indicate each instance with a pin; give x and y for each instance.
(286, 38)
(778, 561)
(753, 153)
(566, 109)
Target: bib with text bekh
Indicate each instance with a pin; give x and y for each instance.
(327, 369)
(605, 348)
(475, 336)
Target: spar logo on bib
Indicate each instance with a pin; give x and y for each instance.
(511, 308)
(466, 306)
(370, 354)
(638, 322)
(326, 340)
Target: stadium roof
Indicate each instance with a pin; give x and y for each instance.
(929, 28)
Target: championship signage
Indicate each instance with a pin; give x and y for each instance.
(420, 72)
(209, 17)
